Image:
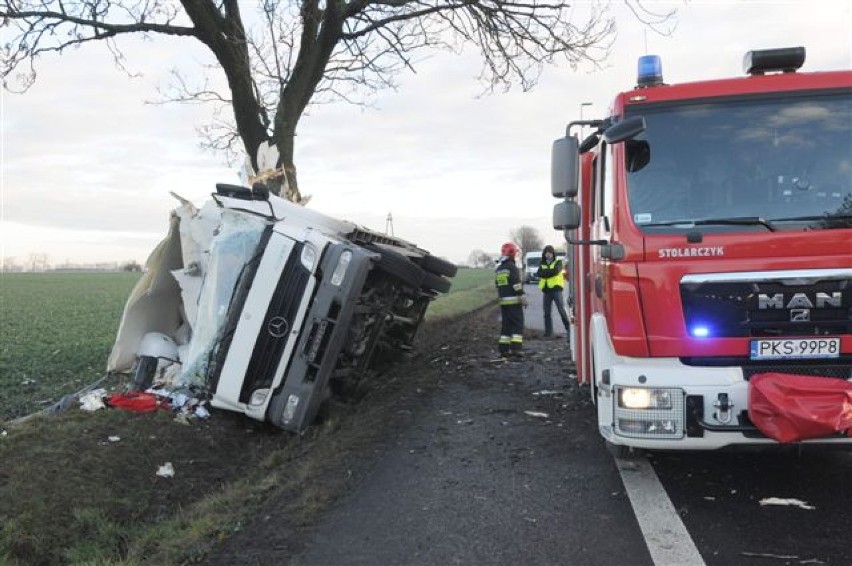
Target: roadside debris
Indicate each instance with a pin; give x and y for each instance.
(785, 501)
(166, 470)
(547, 393)
(770, 555)
(93, 400)
(114, 438)
(537, 414)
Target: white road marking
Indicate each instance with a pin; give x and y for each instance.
(668, 541)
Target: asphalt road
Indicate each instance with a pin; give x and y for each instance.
(501, 463)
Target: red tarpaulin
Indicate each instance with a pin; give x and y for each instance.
(137, 402)
(789, 408)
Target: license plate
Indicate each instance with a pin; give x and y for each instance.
(795, 349)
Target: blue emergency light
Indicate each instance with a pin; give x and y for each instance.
(650, 71)
(700, 331)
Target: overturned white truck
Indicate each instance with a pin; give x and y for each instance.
(271, 307)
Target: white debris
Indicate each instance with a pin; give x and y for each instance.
(464, 421)
(93, 400)
(114, 438)
(537, 414)
(201, 412)
(3, 433)
(785, 501)
(166, 470)
(709, 498)
(546, 393)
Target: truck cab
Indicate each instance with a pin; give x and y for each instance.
(269, 308)
(710, 226)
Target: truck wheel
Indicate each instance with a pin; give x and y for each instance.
(436, 282)
(622, 452)
(438, 266)
(398, 266)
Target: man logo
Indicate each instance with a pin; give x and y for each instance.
(800, 315)
(277, 327)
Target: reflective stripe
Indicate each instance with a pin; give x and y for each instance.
(510, 300)
(505, 339)
(517, 339)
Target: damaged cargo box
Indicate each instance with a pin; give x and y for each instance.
(271, 307)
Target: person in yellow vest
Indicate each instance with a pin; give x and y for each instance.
(551, 282)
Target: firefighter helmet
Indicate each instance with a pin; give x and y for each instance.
(508, 249)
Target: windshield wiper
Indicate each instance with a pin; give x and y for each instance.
(820, 217)
(736, 221)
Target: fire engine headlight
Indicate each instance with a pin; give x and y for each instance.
(341, 267)
(644, 398)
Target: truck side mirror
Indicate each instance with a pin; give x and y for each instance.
(566, 215)
(625, 130)
(565, 167)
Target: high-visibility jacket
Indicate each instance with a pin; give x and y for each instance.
(507, 278)
(551, 275)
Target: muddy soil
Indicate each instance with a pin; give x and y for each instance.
(454, 457)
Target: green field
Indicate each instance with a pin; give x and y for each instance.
(56, 332)
(57, 329)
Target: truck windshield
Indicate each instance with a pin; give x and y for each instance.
(785, 163)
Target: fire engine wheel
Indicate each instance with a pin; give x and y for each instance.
(438, 266)
(436, 282)
(398, 266)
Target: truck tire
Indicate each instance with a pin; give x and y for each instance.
(438, 266)
(436, 282)
(398, 266)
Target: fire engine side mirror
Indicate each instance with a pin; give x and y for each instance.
(625, 130)
(566, 215)
(565, 167)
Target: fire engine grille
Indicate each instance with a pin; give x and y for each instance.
(277, 324)
(773, 308)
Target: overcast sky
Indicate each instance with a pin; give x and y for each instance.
(87, 165)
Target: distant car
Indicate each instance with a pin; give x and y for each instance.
(532, 260)
(272, 307)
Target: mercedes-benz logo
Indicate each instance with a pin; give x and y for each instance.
(277, 326)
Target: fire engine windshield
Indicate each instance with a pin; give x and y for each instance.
(767, 163)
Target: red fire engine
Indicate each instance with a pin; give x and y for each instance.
(710, 226)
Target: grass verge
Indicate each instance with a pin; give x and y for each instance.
(82, 488)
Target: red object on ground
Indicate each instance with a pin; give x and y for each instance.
(137, 402)
(789, 408)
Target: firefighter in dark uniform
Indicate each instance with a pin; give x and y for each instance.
(510, 290)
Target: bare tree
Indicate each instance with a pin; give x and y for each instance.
(306, 51)
(479, 258)
(527, 238)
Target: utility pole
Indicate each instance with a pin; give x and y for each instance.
(389, 224)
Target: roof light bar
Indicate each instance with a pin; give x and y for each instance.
(784, 60)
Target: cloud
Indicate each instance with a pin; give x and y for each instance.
(82, 154)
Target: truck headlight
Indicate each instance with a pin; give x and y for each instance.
(309, 256)
(649, 412)
(340, 269)
(258, 397)
(644, 398)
